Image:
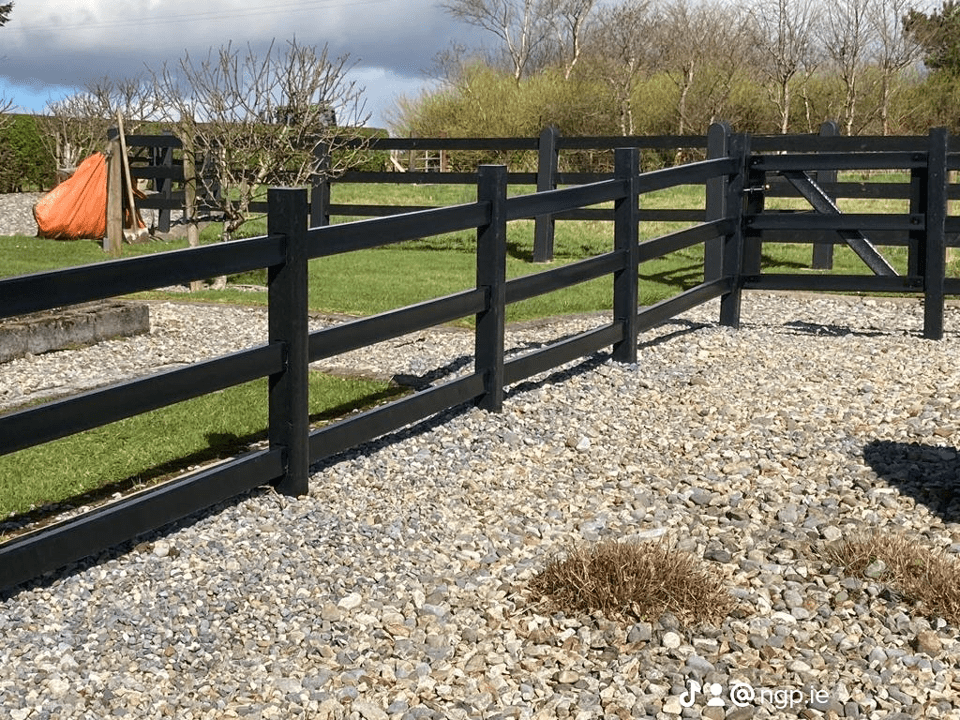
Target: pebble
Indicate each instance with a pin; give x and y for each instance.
(396, 589)
(927, 641)
(671, 640)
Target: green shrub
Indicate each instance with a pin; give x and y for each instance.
(367, 160)
(24, 162)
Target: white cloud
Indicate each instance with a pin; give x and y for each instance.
(50, 49)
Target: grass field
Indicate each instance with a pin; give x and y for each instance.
(151, 447)
(365, 282)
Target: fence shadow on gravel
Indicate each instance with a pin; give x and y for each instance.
(823, 330)
(930, 474)
(733, 229)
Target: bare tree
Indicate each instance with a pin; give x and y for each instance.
(682, 58)
(255, 119)
(896, 50)
(847, 36)
(700, 44)
(621, 53)
(728, 59)
(76, 125)
(570, 20)
(787, 30)
(523, 26)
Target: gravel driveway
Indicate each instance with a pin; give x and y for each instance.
(396, 589)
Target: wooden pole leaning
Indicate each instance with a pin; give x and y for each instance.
(114, 240)
(128, 180)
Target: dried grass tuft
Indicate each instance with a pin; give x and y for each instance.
(631, 578)
(925, 576)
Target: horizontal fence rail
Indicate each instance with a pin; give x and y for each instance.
(51, 421)
(42, 291)
(737, 177)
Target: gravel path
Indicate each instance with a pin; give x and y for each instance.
(396, 589)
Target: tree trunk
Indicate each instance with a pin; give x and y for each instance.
(190, 202)
(785, 108)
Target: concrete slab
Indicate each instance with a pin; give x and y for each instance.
(71, 327)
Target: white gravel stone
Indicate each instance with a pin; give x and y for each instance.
(397, 587)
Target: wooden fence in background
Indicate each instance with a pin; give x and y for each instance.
(158, 161)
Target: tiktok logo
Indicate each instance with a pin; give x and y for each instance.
(714, 690)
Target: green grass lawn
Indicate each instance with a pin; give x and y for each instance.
(429, 268)
(145, 449)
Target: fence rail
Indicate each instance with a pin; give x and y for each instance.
(733, 230)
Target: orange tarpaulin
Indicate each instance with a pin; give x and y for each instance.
(77, 207)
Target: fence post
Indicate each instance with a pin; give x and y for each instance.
(626, 238)
(718, 146)
(114, 239)
(754, 201)
(287, 298)
(548, 162)
(320, 192)
(933, 255)
(918, 206)
(491, 276)
(163, 157)
(823, 252)
(732, 244)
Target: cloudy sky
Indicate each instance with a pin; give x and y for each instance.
(50, 48)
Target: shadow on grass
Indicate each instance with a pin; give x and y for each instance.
(562, 252)
(681, 277)
(220, 446)
(929, 474)
(769, 262)
(520, 250)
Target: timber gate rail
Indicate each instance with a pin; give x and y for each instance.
(732, 231)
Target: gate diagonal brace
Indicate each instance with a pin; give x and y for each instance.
(825, 205)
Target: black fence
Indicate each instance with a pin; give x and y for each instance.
(157, 158)
(732, 232)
